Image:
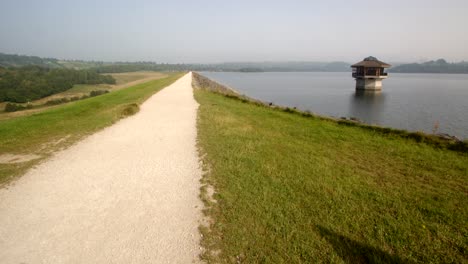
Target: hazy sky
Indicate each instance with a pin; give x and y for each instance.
(218, 31)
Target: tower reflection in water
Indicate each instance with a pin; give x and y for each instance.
(367, 106)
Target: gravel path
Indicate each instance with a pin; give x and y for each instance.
(127, 194)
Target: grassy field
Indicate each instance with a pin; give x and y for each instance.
(294, 189)
(44, 132)
(123, 80)
(126, 77)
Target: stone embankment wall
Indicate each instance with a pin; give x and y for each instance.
(201, 82)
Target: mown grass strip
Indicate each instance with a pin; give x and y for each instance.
(38, 132)
(295, 189)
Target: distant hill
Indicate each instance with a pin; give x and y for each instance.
(282, 66)
(15, 61)
(117, 67)
(438, 66)
(81, 64)
(9, 60)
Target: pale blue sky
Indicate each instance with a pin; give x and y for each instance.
(219, 31)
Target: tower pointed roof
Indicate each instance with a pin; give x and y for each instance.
(372, 62)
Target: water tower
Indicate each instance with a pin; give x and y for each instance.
(369, 74)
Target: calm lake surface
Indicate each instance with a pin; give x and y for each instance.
(415, 102)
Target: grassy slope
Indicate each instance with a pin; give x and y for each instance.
(122, 80)
(34, 133)
(294, 189)
(126, 77)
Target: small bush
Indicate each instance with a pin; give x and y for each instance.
(307, 113)
(289, 110)
(130, 109)
(57, 101)
(417, 136)
(51, 102)
(54, 102)
(461, 146)
(9, 107)
(75, 98)
(97, 93)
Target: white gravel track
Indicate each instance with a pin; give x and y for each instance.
(127, 194)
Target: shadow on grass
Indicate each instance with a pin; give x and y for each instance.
(355, 252)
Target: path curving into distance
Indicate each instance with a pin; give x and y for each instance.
(127, 194)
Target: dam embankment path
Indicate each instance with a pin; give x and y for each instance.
(127, 194)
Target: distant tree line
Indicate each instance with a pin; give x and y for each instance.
(438, 66)
(250, 69)
(292, 66)
(10, 60)
(228, 67)
(12, 107)
(118, 67)
(29, 83)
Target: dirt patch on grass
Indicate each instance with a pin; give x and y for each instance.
(17, 158)
(54, 145)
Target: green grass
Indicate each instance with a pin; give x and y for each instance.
(37, 133)
(122, 78)
(293, 189)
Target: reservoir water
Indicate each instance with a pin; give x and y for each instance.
(415, 102)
